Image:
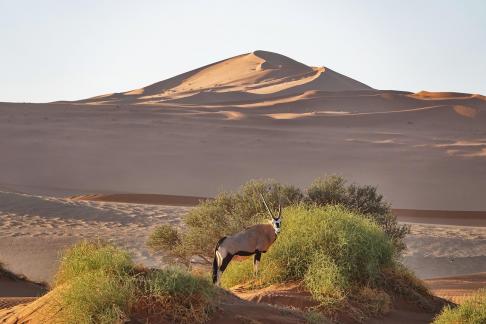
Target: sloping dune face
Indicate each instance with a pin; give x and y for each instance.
(246, 77)
(256, 115)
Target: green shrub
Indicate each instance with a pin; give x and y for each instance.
(364, 200)
(98, 297)
(325, 281)
(163, 237)
(87, 256)
(183, 297)
(318, 241)
(227, 214)
(344, 260)
(330, 190)
(98, 283)
(472, 311)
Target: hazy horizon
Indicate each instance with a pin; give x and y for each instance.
(66, 51)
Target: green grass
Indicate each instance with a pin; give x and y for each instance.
(472, 311)
(87, 257)
(99, 283)
(329, 249)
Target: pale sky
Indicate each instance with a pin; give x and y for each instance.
(67, 50)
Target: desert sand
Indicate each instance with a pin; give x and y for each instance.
(35, 229)
(257, 115)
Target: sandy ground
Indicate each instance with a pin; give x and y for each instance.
(446, 250)
(457, 288)
(35, 229)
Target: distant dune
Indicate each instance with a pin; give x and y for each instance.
(256, 115)
(248, 77)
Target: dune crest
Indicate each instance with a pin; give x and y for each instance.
(259, 72)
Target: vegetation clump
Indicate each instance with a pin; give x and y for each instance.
(99, 283)
(339, 242)
(473, 310)
(341, 258)
(231, 212)
(327, 247)
(227, 213)
(362, 199)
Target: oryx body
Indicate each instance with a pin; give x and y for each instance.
(253, 240)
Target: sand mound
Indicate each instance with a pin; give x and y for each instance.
(230, 310)
(41, 310)
(236, 79)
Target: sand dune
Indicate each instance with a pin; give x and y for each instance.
(260, 73)
(256, 115)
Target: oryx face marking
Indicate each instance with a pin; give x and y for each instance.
(276, 223)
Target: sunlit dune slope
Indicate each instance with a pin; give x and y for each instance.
(239, 78)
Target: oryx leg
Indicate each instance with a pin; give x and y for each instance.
(225, 260)
(256, 261)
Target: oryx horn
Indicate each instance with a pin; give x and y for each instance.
(265, 203)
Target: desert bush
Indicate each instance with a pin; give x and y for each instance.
(343, 259)
(86, 257)
(98, 297)
(318, 242)
(98, 283)
(363, 199)
(325, 281)
(231, 212)
(182, 297)
(329, 190)
(163, 237)
(473, 310)
(226, 214)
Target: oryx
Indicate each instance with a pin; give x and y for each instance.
(255, 239)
